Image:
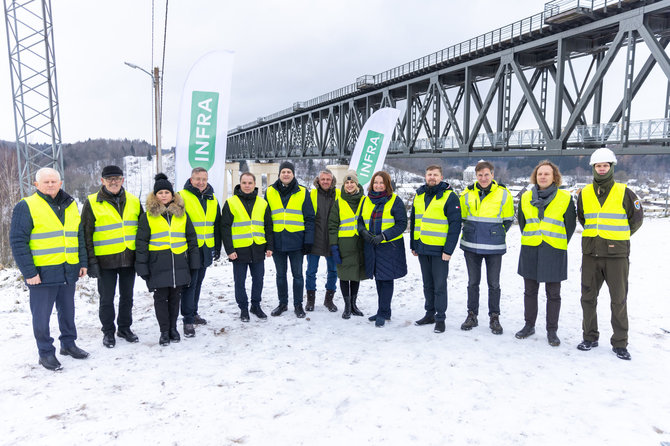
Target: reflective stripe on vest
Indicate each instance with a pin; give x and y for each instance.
(113, 234)
(167, 236)
(551, 228)
(480, 214)
(314, 193)
(431, 225)
(246, 229)
(609, 221)
(52, 242)
(203, 223)
(387, 219)
(348, 218)
(289, 218)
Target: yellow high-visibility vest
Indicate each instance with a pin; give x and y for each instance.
(247, 229)
(608, 221)
(483, 219)
(551, 228)
(203, 223)
(289, 218)
(314, 193)
(348, 218)
(52, 242)
(113, 233)
(387, 219)
(431, 225)
(167, 236)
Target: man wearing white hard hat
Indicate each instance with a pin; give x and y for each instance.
(610, 213)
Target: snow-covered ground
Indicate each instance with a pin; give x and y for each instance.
(327, 381)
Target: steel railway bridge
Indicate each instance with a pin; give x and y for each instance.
(458, 101)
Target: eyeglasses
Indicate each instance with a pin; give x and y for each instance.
(114, 179)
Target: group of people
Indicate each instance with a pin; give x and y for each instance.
(173, 242)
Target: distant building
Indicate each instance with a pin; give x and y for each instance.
(469, 175)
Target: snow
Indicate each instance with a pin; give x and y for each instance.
(328, 381)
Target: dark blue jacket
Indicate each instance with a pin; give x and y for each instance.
(285, 241)
(387, 261)
(207, 253)
(19, 239)
(452, 210)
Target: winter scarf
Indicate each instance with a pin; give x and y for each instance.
(541, 198)
(483, 191)
(433, 191)
(379, 199)
(603, 183)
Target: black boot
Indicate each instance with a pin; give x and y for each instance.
(311, 298)
(552, 338)
(244, 315)
(299, 312)
(526, 331)
(470, 321)
(256, 309)
(354, 309)
(165, 338)
(346, 314)
(279, 310)
(426, 320)
(189, 330)
(494, 324)
(328, 301)
(108, 340)
(174, 335)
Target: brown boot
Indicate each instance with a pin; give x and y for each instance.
(328, 301)
(311, 297)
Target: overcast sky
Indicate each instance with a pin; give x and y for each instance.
(286, 51)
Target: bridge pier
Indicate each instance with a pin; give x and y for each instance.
(339, 171)
(270, 170)
(234, 170)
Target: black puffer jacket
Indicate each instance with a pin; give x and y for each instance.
(324, 203)
(163, 269)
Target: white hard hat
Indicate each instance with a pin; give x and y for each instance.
(603, 155)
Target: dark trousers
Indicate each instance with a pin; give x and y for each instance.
(42, 299)
(313, 267)
(384, 296)
(553, 289)
(281, 259)
(614, 271)
(349, 287)
(107, 289)
(191, 296)
(474, 264)
(434, 272)
(240, 276)
(166, 304)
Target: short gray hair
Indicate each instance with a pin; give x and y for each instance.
(327, 172)
(45, 171)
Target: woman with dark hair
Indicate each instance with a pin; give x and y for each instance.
(381, 223)
(547, 219)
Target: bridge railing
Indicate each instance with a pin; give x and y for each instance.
(557, 7)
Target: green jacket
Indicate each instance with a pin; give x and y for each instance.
(351, 248)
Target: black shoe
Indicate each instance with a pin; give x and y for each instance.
(470, 321)
(299, 312)
(346, 314)
(244, 315)
(328, 301)
(379, 322)
(197, 320)
(439, 327)
(526, 331)
(494, 324)
(74, 351)
(372, 318)
(165, 338)
(128, 335)
(585, 345)
(621, 353)
(256, 310)
(50, 362)
(108, 340)
(189, 330)
(311, 297)
(426, 320)
(279, 310)
(552, 338)
(174, 335)
(354, 308)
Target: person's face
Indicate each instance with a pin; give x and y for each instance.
(433, 177)
(602, 168)
(544, 177)
(112, 184)
(325, 181)
(247, 184)
(350, 186)
(199, 180)
(164, 196)
(378, 184)
(49, 184)
(484, 177)
(286, 176)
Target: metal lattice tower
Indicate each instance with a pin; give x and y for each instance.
(32, 64)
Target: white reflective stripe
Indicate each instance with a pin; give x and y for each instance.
(484, 219)
(532, 220)
(154, 243)
(130, 222)
(258, 234)
(178, 244)
(418, 216)
(70, 233)
(554, 222)
(437, 221)
(347, 227)
(197, 224)
(607, 215)
(482, 246)
(158, 235)
(37, 236)
(241, 224)
(178, 234)
(554, 234)
(607, 227)
(294, 223)
(71, 250)
(43, 252)
(434, 233)
(531, 233)
(130, 238)
(348, 220)
(288, 211)
(503, 201)
(113, 241)
(211, 235)
(241, 236)
(108, 227)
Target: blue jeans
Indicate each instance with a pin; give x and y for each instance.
(240, 275)
(191, 296)
(281, 259)
(42, 299)
(313, 267)
(434, 272)
(474, 263)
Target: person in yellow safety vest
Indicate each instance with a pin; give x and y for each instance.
(487, 209)
(246, 231)
(293, 231)
(203, 209)
(547, 219)
(48, 246)
(109, 217)
(323, 195)
(610, 213)
(166, 254)
(434, 223)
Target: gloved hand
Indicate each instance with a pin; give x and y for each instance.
(93, 271)
(307, 248)
(367, 236)
(337, 258)
(216, 255)
(377, 239)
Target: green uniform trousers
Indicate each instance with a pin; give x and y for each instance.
(614, 271)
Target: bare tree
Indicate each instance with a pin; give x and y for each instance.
(10, 193)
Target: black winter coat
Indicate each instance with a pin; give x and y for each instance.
(207, 253)
(324, 204)
(163, 269)
(250, 254)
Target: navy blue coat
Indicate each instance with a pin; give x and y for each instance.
(19, 239)
(285, 241)
(387, 261)
(452, 210)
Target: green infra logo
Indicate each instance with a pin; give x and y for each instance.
(202, 140)
(369, 156)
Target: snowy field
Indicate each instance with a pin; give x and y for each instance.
(327, 381)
